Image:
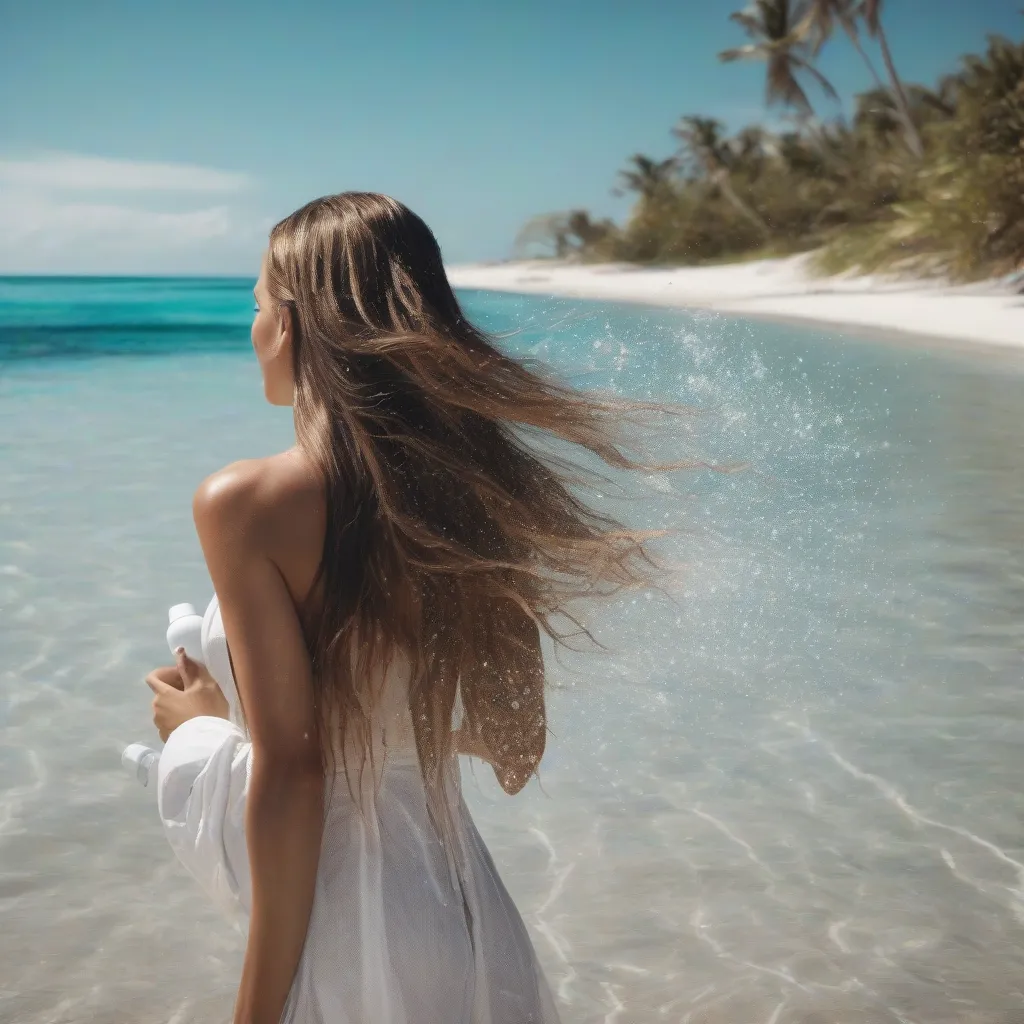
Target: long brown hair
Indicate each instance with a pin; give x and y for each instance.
(450, 537)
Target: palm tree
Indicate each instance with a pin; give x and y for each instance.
(800, 154)
(773, 27)
(871, 12)
(819, 24)
(751, 147)
(997, 72)
(565, 233)
(646, 177)
(878, 117)
(987, 94)
(708, 156)
(547, 231)
(584, 232)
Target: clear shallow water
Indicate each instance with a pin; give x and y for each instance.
(791, 794)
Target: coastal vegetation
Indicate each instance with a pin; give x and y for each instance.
(923, 179)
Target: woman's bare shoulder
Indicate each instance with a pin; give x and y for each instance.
(282, 492)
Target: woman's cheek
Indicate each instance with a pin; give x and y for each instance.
(257, 339)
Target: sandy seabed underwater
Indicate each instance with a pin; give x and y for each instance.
(789, 794)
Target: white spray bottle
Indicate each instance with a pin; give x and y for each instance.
(185, 630)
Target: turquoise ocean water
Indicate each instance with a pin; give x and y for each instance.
(790, 792)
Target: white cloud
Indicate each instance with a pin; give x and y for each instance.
(66, 213)
(73, 171)
(28, 218)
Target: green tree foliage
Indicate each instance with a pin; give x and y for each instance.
(820, 20)
(962, 213)
(925, 179)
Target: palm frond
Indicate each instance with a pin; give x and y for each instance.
(871, 12)
(748, 52)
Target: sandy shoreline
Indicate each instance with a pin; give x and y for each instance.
(989, 314)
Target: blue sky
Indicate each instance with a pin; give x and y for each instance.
(164, 137)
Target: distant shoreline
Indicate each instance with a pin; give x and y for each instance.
(984, 316)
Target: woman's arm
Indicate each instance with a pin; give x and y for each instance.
(237, 513)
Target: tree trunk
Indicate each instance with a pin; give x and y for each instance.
(722, 182)
(913, 136)
(854, 35)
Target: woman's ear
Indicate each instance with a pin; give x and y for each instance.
(286, 325)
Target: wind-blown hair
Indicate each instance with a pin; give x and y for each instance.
(450, 538)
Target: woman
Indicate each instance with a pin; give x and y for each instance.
(382, 588)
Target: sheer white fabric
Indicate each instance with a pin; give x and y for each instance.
(400, 933)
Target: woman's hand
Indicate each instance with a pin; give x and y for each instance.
(183, 691)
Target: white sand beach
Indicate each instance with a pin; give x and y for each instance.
(987, 314)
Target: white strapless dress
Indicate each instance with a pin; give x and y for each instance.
(399, 933)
